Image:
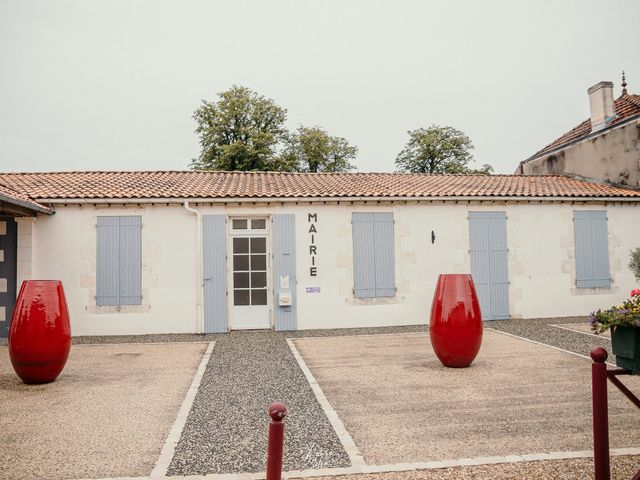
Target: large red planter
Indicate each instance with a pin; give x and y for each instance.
(455, 328)
(40, 335)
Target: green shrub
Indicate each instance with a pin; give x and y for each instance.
(634, 263)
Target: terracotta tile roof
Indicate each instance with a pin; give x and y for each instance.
(14, 197)
(192, 184)
(626, 107)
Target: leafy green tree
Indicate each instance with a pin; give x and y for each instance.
(240, 131)
(438, 150)
(311, 149)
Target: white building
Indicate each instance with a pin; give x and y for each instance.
(604, 147)
(161, 252)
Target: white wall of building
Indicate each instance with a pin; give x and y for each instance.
(64, 247)
(612, 156)
(541, 262)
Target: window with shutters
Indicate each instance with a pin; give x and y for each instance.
(373, 255)
(118, 261)
(592, 249)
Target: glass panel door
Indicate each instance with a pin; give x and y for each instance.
(249, 270)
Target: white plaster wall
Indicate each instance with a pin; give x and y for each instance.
(64, 247)
(417, 265)
(541, 262)
(542, 259)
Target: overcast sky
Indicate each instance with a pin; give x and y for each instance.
(112, 85)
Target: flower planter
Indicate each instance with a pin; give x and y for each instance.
(625, 343)
(455, 328)
(39, 335)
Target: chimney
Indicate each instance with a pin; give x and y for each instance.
(601, 104)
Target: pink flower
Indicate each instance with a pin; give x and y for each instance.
(635, 292)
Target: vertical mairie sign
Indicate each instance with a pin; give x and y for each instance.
(312, 219)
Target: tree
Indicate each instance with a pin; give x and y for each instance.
(438, 150)
(240, 131)
(311, 149)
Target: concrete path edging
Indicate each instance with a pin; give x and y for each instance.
(562, 327)
(169, 448)
(400, 467)
(546, 345)
(357, 461)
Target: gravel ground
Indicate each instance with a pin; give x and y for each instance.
(622, 468)
(248, 370)
(106, 415)
(226, 428)
(192, 337)
(209, 337)
(516, 398)
(541, 330)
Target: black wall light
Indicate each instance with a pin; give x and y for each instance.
(433, 236)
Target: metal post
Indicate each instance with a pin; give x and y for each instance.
(277, 412)
(600, 414)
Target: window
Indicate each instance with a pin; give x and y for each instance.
(239, 223)
(373, 255)
(243, 224)
(592, 249)
(118, 261)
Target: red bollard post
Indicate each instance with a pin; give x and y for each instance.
(277, 412)
(600, 414)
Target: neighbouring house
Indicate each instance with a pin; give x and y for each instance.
(161, 252)
(605, 147)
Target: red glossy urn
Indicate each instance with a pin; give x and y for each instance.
(455, 328)
(40, 335)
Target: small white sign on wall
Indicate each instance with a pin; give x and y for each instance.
(313, 289)
(284, 299)
(284, 282)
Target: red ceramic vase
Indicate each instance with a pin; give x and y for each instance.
(40, 335)
(456, 323)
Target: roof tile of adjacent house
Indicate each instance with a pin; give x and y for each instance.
(626, 107)
(14, 197)
(197, 184)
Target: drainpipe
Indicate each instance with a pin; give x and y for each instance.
(199, 281)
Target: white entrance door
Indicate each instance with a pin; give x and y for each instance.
(249, 273)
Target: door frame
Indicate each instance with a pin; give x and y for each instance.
(267, 232)
(9, 262)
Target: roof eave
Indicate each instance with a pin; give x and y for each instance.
(31, 206)
(223, 200)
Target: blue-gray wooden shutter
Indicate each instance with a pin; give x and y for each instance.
(479, 260)
(118, 261)
(384, 250)
(214, 270)
(499, 265)
(373, 255)
(489, 255)
(130, 260)
(592, 249)
(284, 263)
(364, 278)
